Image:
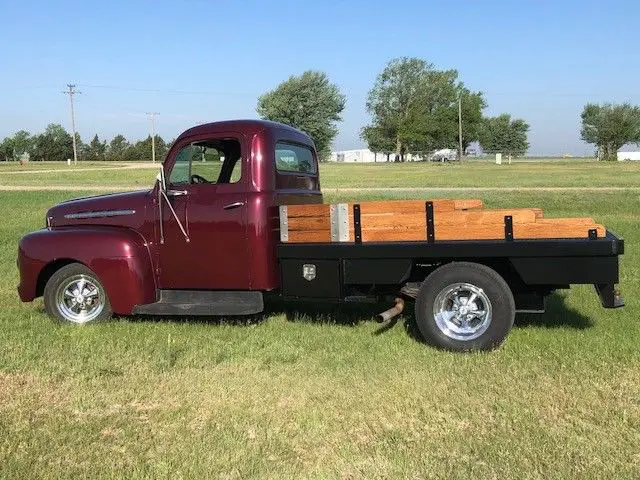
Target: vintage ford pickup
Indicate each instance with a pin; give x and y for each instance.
(237, 215)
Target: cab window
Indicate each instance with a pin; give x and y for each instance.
(208, 162)
(294, 158)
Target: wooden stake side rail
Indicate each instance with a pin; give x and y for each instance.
(420, 220)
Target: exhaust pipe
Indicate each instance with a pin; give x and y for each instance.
(393, 311)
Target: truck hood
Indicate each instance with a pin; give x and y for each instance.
(116, 209)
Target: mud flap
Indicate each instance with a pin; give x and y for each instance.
(609, 295)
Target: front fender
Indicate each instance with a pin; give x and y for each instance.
(120, 257)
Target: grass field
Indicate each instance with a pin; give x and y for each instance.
(331, 394)
(568, 173)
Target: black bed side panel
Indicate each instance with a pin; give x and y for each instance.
(566, 270)
(381, 271)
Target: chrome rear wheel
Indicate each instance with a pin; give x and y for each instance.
(462, 311)
(464, 306)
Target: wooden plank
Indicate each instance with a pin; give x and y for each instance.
(477, 231)
(309, 236)
(468, 203)
(386, 207)
(444, 232)
(311, 210)
(484, 232)
(576, 220)
(555, 230)
(394, 207)
(309, 223)
(538, 212)
(452, 232)
(457, 218)
(493, 216)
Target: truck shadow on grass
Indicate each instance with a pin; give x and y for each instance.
(557, 315)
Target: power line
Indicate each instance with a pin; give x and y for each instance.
(170, 91)
(352, 94)
(71, 92)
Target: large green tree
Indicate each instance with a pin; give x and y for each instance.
(379, 139)
(610, 126)
(502, 134)
(13, 147)
(54, 144)
(308, 102)
(416, 106)
(141, 150)
(6, 149)
(118, 149)
(22, 142)
(472, 104)
(96, 149)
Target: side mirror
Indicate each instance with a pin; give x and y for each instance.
(160, 178)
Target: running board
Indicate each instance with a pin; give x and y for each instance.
(203, 302)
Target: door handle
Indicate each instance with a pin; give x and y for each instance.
(233, 205)
(176, 193)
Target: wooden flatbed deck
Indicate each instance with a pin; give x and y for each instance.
(430, 220)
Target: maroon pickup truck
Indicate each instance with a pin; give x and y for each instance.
(206, 240)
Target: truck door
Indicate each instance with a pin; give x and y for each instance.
(205, 242)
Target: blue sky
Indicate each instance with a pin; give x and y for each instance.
(195, 60)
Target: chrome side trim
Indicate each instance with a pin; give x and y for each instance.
(100, 214)
(284, 224)
(339, 218)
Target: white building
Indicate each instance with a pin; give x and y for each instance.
(364, 155)
(629, 155)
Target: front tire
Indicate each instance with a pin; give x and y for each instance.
(75, 294)
(464, 306)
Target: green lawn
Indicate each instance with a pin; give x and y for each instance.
(331, 394)
(561, 173)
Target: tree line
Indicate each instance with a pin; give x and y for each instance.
(56, 144)
(414, 108)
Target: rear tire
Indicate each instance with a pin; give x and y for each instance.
(75, 294)
(464, 306)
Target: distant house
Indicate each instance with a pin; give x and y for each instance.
(364, 155)
(626, 153)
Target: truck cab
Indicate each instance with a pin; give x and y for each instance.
(209, 224)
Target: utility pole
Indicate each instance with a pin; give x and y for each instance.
(460, 126)
(71, 92)
(152, 117)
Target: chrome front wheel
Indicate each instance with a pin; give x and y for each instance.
(80, 299)
(74, 294)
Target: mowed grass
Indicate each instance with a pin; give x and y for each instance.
(472, 174)
(329, 393)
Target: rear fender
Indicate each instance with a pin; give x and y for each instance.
(120, 257)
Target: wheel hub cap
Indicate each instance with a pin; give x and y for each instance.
(462, 311)
(80, 299)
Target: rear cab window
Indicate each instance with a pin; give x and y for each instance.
(295, 158)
